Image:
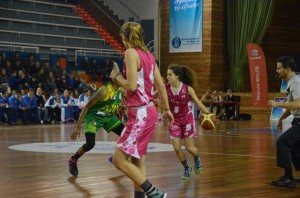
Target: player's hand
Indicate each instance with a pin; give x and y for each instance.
(76, 133)
(272, 103)
(114, 73)
(116, 67)
(168, 116)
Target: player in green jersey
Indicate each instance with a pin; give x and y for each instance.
(99, 112)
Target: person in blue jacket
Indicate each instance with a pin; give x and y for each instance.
(30, 106)
(15, 102)
(4, 106)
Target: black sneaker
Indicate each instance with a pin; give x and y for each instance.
(73, 167)
(284, 182)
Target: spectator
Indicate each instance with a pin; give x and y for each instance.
(86, 66)
(4, 80)
(3, 60)
(66, 107)
(105, 67)
(33, 82)
(35, 69)
(16, 57)
(54, 109)
(83, 85)
(76, 82)
(29, 102)
(57, 70)
(50, 84)
(230, 109)
(4, 106)
(17, 110)
(84, 98)
(29, 63)
(96, 69)
(14, 81)
(24, 80)
(17, 66)
(42, 110)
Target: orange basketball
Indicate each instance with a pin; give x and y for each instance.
(208, 121)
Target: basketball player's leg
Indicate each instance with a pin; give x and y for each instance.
(192, 149)
(135, 146)
(140, 163)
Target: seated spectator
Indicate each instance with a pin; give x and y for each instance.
(33, 82)
(96, 68)
(50, 84)
(86, 66)
(29, 63)
(105, 67)
(17, 110)
(14, 81)
(35, 69)
(53, 107)
(66, 107)
(83, 85)
(18, 66)
(230, 109)
(84, 98)
(76, 82)
(24, 79)
(57, 70)
(207, 98)
(4, 80)
(4, 107)
(30, 113)
(42, 110)
(74, 102)
(217, 108)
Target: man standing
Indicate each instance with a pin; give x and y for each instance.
(288, 143)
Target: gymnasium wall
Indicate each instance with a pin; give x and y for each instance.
(208, 64)
(211, 65)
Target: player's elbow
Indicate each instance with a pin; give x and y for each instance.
(132, 88)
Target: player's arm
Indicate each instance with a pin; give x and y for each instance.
(162, 92)
(286, 105)
(132, 65)
(196, 100)
(98, 96)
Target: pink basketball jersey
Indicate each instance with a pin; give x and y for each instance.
(178, 101)
(144, 93)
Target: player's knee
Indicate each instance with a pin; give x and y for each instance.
(88, 146)
(177, 150)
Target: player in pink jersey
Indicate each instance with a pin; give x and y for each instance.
(139, 76)
(180, 91)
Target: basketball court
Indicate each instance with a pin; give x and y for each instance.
(238, 161)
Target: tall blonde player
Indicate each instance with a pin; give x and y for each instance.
(139, 75)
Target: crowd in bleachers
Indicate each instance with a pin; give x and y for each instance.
(35, 92)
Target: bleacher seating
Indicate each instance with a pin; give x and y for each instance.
(47, 25)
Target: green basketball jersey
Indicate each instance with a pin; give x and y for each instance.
(110, 103)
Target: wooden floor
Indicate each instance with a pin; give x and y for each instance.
(238, 161)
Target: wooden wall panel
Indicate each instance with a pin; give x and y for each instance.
(209, 63)
(282, 38)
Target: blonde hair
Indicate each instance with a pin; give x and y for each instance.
(133, 34)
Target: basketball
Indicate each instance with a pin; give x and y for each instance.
(208, 121)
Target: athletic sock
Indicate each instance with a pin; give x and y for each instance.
(185, 164)
(148, 188)
(76, 156)
(139, 194)
(197, 157)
